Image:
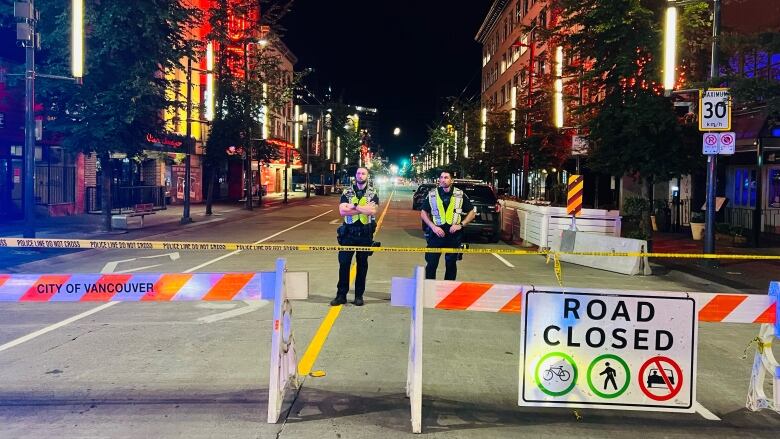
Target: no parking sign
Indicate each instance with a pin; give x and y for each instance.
(615, 350)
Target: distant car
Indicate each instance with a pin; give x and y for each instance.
(487, 219)
(420, 194)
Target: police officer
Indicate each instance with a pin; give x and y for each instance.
(358, 207)
(443, 212)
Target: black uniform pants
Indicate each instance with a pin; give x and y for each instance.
(450, 259)
(345, 263)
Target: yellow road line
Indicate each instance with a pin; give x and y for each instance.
(316, 344)
(310, 356)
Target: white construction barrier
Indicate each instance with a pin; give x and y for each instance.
(279, 286)
(764, 363)
(655, 370)
(571, 241)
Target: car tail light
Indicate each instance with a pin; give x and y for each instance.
(498, 208)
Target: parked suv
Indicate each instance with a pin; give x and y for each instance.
(420, 194)
(487, 219)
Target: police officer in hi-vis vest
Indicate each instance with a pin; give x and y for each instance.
(358, 207)
(443, 211)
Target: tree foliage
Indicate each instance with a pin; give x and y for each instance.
(130, 47)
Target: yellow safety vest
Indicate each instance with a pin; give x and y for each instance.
(453, 213)
(368, 195)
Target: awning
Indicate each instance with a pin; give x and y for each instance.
(748, 127)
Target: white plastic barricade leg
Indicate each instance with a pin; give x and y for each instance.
(642, 372)
(765, 363)
(414, 366)
(284, 359)
(279, 286)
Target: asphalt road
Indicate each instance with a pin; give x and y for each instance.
(200, 369)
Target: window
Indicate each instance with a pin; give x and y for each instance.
(503, 63)
(543, 18)
(773, 188)
(518, 11)
(743, 190)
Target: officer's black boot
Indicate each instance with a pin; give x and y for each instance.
(358, 300)
(339, 300)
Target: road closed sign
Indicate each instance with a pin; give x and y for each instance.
(613, 350)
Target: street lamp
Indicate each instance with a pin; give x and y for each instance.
(29, 39)
(712, 160)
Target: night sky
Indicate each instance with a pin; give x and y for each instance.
(402, 57)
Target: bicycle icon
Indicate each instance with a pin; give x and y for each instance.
(562, 375)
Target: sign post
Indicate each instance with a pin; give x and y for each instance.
(611, 351)
(714, 115)
(574, 198)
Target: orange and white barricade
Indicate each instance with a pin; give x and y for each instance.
(279, 286)
(418, 293)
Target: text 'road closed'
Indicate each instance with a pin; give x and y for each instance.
(608, 349)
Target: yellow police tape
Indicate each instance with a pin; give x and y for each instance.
(82, 244)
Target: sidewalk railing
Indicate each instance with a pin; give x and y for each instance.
(743, 218)
(126, 197)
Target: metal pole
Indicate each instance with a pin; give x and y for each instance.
(286, 168)
(29, 131)
(185, 216)
(308, 166)
(712, 160)
(247, 128)
(757, 212)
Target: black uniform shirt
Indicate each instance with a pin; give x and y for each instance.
(446, 197)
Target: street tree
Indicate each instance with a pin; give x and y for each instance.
(249, 77)
(632, 127)
(130, 47)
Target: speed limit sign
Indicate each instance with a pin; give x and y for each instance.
(715, 110)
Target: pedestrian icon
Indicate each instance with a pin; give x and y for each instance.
(608, 376)
(610, 373)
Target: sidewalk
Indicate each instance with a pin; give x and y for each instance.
(749, 276)
(89, 226)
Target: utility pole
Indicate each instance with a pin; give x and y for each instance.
(308, 157)
(247, 132)
(712, 159)
(185, 216)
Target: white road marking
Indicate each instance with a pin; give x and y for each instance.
(110, 267)
(706, 414)
(47, 329)
(507, 263)
(251, 306)
(235, 252)
(130, 270)
(336, 221)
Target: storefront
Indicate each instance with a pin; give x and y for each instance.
(752, 175)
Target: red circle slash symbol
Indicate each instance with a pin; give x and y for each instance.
(726, 139)
(711, 139)
(663, 380)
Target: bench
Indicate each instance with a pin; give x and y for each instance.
(120, 221)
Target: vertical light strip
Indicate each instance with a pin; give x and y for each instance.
(327, 144)
(264, 112)
(558, 103)
(466, 141)
(77, 39)
(296, 129)
(338, 149)
(210, 81)
(456, 145)
(483, 131)
(670, 49)
(512, 114)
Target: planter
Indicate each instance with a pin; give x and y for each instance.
(697, 231)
